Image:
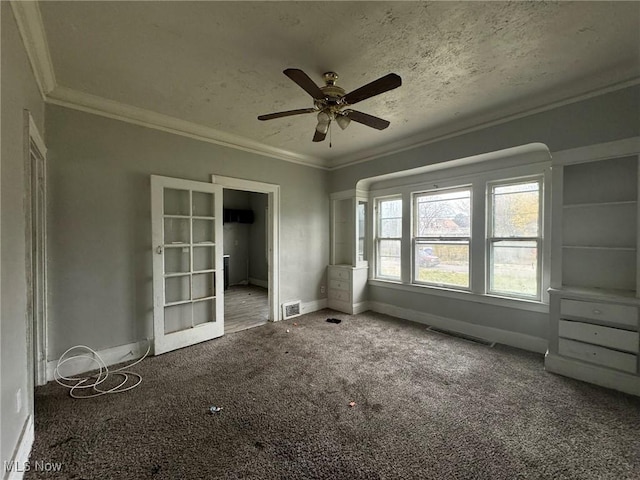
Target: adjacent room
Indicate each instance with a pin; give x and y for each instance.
(320, 239)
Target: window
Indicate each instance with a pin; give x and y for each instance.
(514, 239)
(442, 234)
(389, 238)
(473, 237)
(361, 225)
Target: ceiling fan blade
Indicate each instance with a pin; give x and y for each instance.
(304, 82)
(288, 113)
(383, 84)
(366, 119)
(318, 136)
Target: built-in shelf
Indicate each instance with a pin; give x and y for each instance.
(599, 204)
(596, 247)
(593, 293)
(594, 302)
(196, 244)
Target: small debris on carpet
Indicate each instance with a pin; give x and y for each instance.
(352, 404)
(287, 330)
(295, 324)
(334, 320)
(213, 409)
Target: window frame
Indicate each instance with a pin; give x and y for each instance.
(417, 240)
(533, 163)
(378, 238)
(491, 240)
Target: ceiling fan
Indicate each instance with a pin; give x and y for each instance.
(330, 101)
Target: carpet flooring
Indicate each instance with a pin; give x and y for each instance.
(427, 406)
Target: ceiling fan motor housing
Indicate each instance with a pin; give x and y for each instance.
(333, 93)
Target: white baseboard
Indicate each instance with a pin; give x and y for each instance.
(360, 307)
(586, 372)
(110, 356)
(259, 283)
(313, 306)
(18, 465)
(513, 339)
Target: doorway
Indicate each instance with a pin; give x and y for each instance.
(246, 296)
(251, 239)
(36, 220)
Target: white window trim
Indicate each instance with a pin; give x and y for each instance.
(490, 238)
(377, 238)
(416, 239)
(458, 177)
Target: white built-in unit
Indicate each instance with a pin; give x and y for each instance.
(347, 288)
(595, 276)
(348, 272)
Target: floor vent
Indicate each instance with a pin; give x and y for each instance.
(463, 336)
(290, 309)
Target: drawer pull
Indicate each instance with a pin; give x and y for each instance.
(596, 311)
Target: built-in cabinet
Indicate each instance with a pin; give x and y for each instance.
(347, 286)
(348, 272)
(594, 279)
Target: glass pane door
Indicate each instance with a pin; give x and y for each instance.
(188, 262)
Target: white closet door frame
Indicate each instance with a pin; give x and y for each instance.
(164, 342)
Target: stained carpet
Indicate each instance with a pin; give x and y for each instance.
(426, 406)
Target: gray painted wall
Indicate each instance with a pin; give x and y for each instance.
(605, 118)
(236, 238)
(258, 268)
(100, 234)
(19, 92)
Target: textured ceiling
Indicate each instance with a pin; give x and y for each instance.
(219, 64)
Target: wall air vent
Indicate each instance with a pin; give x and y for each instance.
(290, 309)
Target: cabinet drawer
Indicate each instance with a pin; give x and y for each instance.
(338, 285)
(608, 312)
(600, 355)
(605, 336)
(339, 273)
(338, 295)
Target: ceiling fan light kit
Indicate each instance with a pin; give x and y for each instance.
(330, 100)
(343, 121)
(323, 122)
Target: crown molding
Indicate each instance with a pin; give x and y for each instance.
(31, 28)
(420, 140)
(77, 100)
(34, 38)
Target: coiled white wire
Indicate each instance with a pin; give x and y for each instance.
(93, 381)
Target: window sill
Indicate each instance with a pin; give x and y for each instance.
(520, 304)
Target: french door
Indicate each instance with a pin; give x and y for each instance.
(188, 279)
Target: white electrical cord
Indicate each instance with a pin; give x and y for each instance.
(92, 381)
